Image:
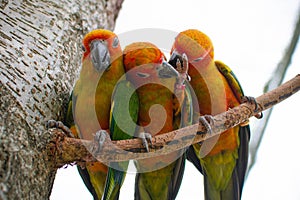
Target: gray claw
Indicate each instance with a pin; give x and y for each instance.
(206, 120)
(144, 137)
(58, 124)
(252, 100)
(185, 62)
(185, 66)
(178, 64)
(50, 124)
(100, 138)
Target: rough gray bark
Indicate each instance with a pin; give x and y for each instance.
(40, 45)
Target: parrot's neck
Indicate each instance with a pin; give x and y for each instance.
(204, 68)
(88, 73)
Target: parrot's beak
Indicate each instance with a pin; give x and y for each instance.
(100, 55)
(166, 70)
(173, 59)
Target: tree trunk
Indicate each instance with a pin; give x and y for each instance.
(40, 60)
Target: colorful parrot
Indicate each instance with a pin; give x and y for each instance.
(155, 80)
(221, 159)
(90, 102)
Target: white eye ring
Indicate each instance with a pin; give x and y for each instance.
(142, 75)
(115, 43)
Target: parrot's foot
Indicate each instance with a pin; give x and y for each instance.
(99, 140)
(185, 66)
(58, 124)
(144, 137)
(183, 77)
(206, 120)
(252, 100)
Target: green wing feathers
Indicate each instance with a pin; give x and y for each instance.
(238, 174)
(124, 111)
(69, 119)
(186, 119)
(123, 119)
(231, 79)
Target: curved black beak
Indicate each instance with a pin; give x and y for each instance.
(166, 70)
(100, 55)
(174, 58)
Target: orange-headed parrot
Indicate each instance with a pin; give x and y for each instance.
(90, 102)
(222, 159)
(155, 80)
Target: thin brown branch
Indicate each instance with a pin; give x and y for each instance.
(66, 150)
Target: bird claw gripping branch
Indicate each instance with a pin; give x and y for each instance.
(145, 137)
(99, 140)
(206, 120)
(251, 100)
(58, 124)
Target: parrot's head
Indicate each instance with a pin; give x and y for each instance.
(145, 63)
(102, 47)
(195, 44)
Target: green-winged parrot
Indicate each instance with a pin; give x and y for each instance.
(221, 159)
(160, 107)
(89, 106)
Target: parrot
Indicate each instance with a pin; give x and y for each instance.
(156, 81)
(221, 159)
(89, 106)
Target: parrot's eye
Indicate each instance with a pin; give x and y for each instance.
(198, 59)
(142, 75)
(115, 43)
(83, 48)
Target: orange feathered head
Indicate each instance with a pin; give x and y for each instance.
(110, 38)
(195, 44)
(145, 63)
(140, 53)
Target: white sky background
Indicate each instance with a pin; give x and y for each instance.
(250, 37)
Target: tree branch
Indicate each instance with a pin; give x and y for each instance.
(65, 150)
